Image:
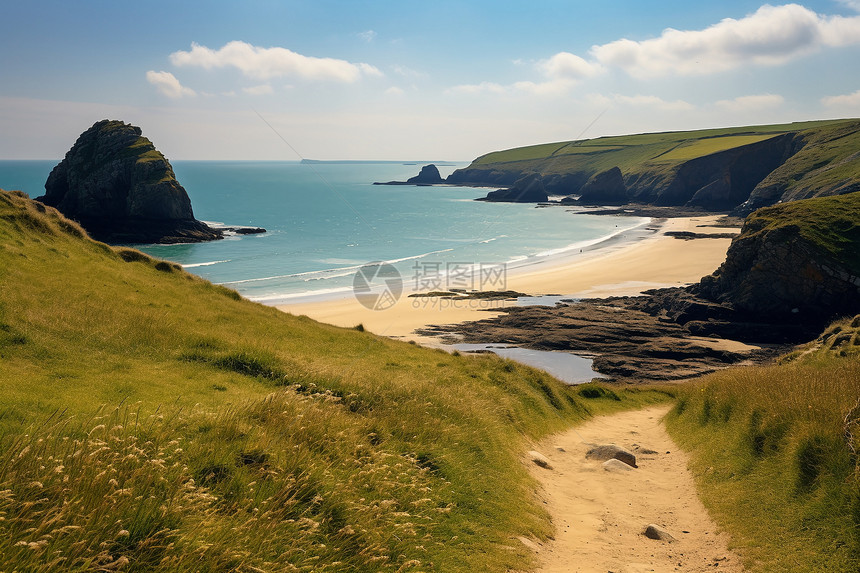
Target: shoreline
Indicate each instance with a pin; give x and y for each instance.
(625, 266)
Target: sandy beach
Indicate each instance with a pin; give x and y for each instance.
(625, 266)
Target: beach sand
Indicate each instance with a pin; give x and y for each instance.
(625, 267)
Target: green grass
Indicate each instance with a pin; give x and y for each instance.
(701, 147)
(775, 453)
(150, 420)
(832, 224)
(652, 158)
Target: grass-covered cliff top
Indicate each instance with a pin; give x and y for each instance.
(631, 152)
(831, 224)
(150, 420)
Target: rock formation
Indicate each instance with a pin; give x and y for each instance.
(122, 190)
(528, 189)
(798, 260)
(605, 188)
(429, 175)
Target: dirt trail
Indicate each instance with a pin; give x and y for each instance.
(600, 515)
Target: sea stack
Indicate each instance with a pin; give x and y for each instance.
(122, 190)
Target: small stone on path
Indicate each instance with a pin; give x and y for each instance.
(539, 459)
(611, 451)
(656, 532)
(614, 465)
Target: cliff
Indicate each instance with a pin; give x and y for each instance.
(798, 261)
(122, 190)
(735, 169)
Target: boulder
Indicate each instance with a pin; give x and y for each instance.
(122, 190)
(609, 452)
(604, 188)
(528, 189)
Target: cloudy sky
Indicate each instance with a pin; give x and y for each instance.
(403, 80)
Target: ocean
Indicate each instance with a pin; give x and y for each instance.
(326, 220)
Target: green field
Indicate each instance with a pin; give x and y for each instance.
(152, 421)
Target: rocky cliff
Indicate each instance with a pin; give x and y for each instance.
(429, 175)
(528, 189)
(794, 262)
(737, 169)
(122, 190)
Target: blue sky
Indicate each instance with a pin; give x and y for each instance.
(414, 80)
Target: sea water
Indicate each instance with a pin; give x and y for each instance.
(324, 221)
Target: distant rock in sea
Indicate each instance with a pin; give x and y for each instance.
(429, 175)
(122, 190)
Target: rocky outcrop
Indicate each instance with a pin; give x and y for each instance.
(528, 189)
(122, 190)
(429, 175)
(605, 188)
(795, 261)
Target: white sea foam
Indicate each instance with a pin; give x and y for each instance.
(209, 264)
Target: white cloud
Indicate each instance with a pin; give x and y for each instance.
(751, 102)
(565, 65)
(267, 63)
(771, 36)
(367, 36)
(483, 87)
(652, 101)
(852, 100)
(562, 71)
(168, 85)
(263, 89)
(394, 91)
(853, 4)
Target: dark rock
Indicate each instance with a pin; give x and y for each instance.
(658, 533)
(529, 189)
(243, 230)
(122, 190)
(429, 175)
(611, 452)
(795, 263)
(605, 188)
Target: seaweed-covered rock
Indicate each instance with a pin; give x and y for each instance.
(122, 190)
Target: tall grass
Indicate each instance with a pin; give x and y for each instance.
(257, 441)
(775, 450)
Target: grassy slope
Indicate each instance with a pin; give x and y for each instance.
(775, 454)
(235, 437)
(832, 224)
(660, 153)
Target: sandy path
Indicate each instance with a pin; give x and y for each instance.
(600, 515)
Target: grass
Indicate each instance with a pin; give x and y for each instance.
(832, 224)
(825, 162)
(150, 420)
(775, 453)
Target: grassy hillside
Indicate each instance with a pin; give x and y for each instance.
(775, 452)
(717, 169)
(633, 153)
(150, 420)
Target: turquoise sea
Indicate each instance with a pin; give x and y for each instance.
(326, 220)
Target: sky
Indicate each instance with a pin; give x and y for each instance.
(405, 80)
